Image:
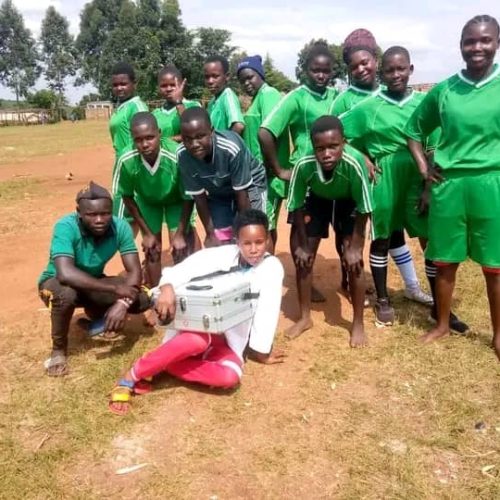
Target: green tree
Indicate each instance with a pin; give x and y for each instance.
(97, 21)
(44, 99)
(276, 78)
(58, 51)
(19, 68)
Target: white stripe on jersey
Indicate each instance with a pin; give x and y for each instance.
(358, 168)
(117, 170)
(230, 151)
(302, 161)
(229, 144)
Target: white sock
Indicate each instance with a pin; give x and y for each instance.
(403, 259)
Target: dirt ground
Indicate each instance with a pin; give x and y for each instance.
(330, 422)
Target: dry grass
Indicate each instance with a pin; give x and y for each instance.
(20, 143)
(393, 421)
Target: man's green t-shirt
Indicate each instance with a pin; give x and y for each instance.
(71, 239)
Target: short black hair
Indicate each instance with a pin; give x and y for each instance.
(170, 69)
(317, 50)
(480, 19)
(250, 217)
(326, 123)
(144, 118)
(396, 50)
(124, 68)
(196, 113)
(220, 59)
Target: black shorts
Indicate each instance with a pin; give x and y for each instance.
(319, 213)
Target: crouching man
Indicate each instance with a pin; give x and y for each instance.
(83, 242)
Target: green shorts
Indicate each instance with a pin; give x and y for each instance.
(277, 191)
(464, 218)
(396, 193)
(154, 215)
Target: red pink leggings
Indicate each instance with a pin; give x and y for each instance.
(193, 357)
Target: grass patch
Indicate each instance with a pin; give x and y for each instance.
(20, 143)
(18, 189)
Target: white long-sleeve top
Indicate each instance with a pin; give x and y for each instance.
(266, 279)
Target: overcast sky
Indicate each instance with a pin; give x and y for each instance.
(430, 29)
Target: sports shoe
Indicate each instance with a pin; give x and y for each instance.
(456, 325)
(384, 313)
(418, 295)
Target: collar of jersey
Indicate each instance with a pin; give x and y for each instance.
(321, 96)
(132, 99)
(363, 91)
(152, 169)
(319, 171)
(401, 103)
(484, 81)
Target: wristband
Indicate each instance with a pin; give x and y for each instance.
(177, 103)
(125, 302)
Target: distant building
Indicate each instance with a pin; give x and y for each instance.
(25, 116)
(98, 110)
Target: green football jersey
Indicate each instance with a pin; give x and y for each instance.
(169, 120)
(469, 117)
(348, 181)
(157, 184)
(71, 239)
(349, 98)
(298, 110)
(262, 104)
(376, 126)
(119, 123)
(225, 110)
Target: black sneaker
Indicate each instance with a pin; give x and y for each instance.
(456, 325)
(384, 313)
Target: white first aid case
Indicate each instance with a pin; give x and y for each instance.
(215, 304)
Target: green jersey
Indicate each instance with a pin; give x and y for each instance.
(168, 119)
(349, 98)
(119, 123)
(157, 184)
(225, 110)
(349, 180)
(469, 117)
(376, 126)
(71, 239)
(262, 104)
(298, 110)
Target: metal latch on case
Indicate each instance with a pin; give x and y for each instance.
(182, 303)
(206, 321)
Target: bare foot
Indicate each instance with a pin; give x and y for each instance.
(276, 356)
(358, 337)
(433, 335)
(316, 295)
(300, 327)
